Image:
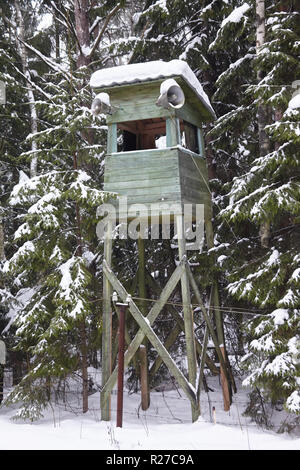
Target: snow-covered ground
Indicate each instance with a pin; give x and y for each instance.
(166, 425)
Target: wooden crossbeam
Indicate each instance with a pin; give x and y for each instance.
(188, 314)
(146, 330)
(143, 356)
(106, 321)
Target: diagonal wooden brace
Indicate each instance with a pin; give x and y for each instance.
(208, 322)
(146, 330)
(154, 312)
(179, 320)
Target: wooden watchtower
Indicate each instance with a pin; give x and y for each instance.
(155, 158)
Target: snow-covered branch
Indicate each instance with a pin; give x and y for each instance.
(103, 29)
(51, 63)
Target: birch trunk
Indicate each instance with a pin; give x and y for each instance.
(57, 35)
(2, 252)
(81, 9)
(262, 111)
(84, 55)
(82, 31)
(32, 106)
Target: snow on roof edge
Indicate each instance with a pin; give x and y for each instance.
(146, 71)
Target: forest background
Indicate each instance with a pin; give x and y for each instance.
(52, 150)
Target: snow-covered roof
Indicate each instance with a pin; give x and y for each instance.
(146, 71)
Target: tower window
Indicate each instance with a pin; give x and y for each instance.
(143, 134)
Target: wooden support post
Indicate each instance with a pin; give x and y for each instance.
(219, 319)
(106, 324)
(127, 342)
(172, 131)
(131, 287)
(141, 273)
(208, 322)
(225, 384)
(144, 376)
(214, 415)
(127, 336)
(217, 309)
(201, 144)
(218, 315)
(202, 361)
(121, 364)
(112, 143)
(188, 314)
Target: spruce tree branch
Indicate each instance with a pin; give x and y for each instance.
(56, 17)
(6, 19)
(95, 24)
(68, 23)
(53, 65)
(31, 83)
(191, 38)
(103, 29)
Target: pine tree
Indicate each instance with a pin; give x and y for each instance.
(52, 257)
(56, 244)
(233, 142)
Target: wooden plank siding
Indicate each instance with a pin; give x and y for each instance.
(170, 175)
(136, 102)
(194, 181)
(144, 177)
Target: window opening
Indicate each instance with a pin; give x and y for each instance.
(142, 135)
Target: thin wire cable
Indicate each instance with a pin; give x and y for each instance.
(232, 309)
(229, 309)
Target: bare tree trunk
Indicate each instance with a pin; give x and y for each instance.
(57, 34)
(82, 31)
(33, 112)
(262, 112)
(83, 43)
(85, 52)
